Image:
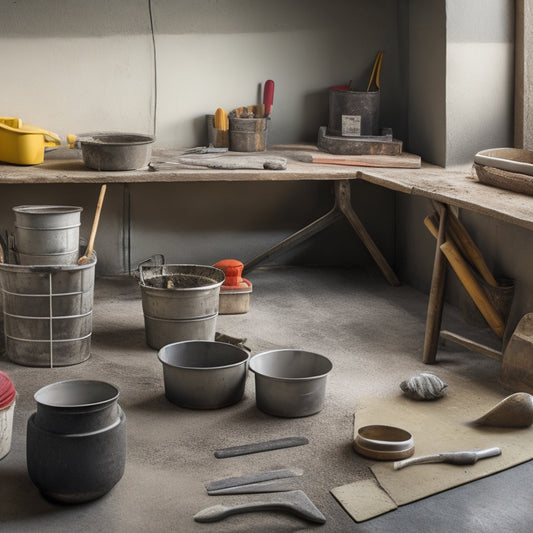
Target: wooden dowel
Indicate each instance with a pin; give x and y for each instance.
(473, 288)
(461, 236)
(436, 294)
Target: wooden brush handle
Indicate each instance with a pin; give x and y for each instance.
(90, 246)
(473, 288)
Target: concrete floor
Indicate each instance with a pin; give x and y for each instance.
(373, 333)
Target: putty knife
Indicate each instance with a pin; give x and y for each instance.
(252, 478)
(257, 447)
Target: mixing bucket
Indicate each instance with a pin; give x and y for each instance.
(353, 113)
(47, 234)
(180, 302)
(248, 134)
(48, 313)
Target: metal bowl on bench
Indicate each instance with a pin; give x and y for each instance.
(116, 151)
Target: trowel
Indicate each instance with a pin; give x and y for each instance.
(295, 502)
(270, 481)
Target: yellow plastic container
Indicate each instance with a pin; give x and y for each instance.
(22, 144)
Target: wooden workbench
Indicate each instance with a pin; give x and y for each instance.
(453, 186)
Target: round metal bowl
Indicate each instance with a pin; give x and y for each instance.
(203, 374)
(386, 443)
(290, 383)
(116, 151)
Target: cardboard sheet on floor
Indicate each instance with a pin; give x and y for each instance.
(439, 426)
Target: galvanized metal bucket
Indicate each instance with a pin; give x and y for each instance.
(47, 234)
(353, 113)
(248, 134)
(180, 302)
(47, 313)
(68, 258)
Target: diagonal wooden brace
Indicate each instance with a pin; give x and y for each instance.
(342, 207)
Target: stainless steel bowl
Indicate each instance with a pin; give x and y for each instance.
(290, 383)
(204, 374)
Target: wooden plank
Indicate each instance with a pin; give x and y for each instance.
(436, 294)
(471, 345)
(403, 160)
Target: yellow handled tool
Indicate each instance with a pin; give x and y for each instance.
(221, 121)
(376, 71)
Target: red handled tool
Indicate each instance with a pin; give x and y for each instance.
(268, 97)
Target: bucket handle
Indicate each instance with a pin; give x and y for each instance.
(155, 260)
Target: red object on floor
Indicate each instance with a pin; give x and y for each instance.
(7, 391)
(233, 270)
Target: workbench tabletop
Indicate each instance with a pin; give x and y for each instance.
(454, 186)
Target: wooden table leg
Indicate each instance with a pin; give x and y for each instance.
(342, 195)
(296, 238)
(436, 293)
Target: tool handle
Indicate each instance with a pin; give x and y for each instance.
(85, 258)
(376, 71)
(473, 288)
(471, 251)
(96, 220)
(454, 458)
(220, 120)
(436, 458)
(268, 96)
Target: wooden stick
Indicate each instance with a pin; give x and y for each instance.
(84, 259)
(473, 346)
(473, 288)
(461, 236)
(436, 294)
(432, 224)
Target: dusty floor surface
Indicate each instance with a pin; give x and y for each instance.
(373, 334)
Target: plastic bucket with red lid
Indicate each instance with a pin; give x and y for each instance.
(7, 407)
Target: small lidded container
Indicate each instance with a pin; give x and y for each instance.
(7, 408)
(235, 291)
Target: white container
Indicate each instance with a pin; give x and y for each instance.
(6, 429)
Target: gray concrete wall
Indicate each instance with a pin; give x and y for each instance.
(479, 77)
(524, 75)
(76, 67)
(79, 67)
(427, 80)
(458, 106)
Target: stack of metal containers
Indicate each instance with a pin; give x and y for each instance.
(47, 296)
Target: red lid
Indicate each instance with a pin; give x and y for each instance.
(243, 286)
(233, 270)
(7, 391)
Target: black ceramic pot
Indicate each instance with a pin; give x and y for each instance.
(76, 440)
